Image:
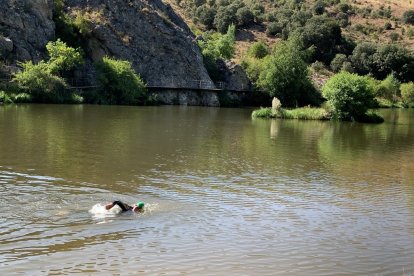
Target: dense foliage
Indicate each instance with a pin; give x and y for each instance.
(42, 80)
(284, 74)
(215, 46)
(120, 84)
(382, 60)
(349, 96)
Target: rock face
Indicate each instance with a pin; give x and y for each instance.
(25, 28)
(147, 33)
(234, 76)
(150, 35)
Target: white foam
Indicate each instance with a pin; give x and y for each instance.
(99, 211)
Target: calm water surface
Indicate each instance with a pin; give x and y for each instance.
(225, 194)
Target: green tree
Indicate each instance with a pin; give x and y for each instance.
(120, 83)
(225, 17)
(285, 75)
(324, 34)
(349, 95)
(205, 15)
(382, 60)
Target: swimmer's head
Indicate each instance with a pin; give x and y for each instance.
(139, 206)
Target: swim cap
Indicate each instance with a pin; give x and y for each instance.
(140, 204)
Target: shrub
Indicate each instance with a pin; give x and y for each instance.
(338, 62)
(220, 46)
(244, 16)
(205, 16)
(120, 83)
(4, 98)
(217, 46)
(389, 89)
(394, 36)
(39, 81)
(408, 17)
(318, 7)
(407, 93)
(258, 50)
(225, 17)
(387, 26)
(349, 96)
(42, 81)
(410, 33)
(62, 57)
(343, 7)
(274, 28)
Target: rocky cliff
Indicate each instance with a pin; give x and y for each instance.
(147, 33)
(25, 28)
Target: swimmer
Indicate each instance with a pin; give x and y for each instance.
(138, 207)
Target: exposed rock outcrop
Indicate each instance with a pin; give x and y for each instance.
(149, 34)
(25, 28)
(234, 76)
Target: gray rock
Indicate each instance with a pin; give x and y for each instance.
(159, 44)
(235, 78)
(29, 25)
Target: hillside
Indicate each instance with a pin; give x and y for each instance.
(366, 20)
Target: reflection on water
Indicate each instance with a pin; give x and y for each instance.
(224, 194)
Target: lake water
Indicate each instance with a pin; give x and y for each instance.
(224, 194)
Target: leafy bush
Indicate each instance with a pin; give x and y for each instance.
(387, 26)
(4, 98)
(217, 46)
(285, 75)
(42, 81)
(120, 83)
(274, 28)
(319, 7)
(389, 89)
(349, 96)
(38, 80)
(62, 57)
(394, 36)
(205, 15)
(337, 64)
(244, 16)
(407, 93)
(225, 17)
(408, 17)
(258, 50)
